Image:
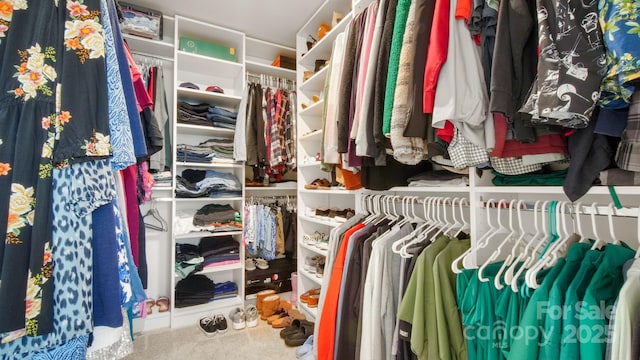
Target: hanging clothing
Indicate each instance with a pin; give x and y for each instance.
(37, 112)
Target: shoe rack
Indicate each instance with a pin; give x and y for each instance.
(312, 53)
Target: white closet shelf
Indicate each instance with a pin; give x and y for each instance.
(208, 199)
(433, 189)
(553, 190)
(189, 129)
(313, 249)
(217, 269)
(200, 234)
(255, 67)
(329, 192)
(149, 47)
(269, 189)
(210, 306)
(319, 220)
(310, 164)
(311, 135)
(161, 188)
(316, 81)
(322, 49)
(310, 276)
(189, 62)
(309, 310)
(314, 109)
(223, 165)
(209, 97)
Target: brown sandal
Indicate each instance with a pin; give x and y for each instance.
(163, 303)
(318, 184)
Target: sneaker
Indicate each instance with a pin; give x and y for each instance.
(220, 323)
(208, 326)
(249, 265)
(262, 263)
(237, 318)
(251, 316)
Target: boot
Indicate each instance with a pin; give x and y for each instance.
(260, 297)
(270, 305)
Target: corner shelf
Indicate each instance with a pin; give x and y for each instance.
(209, 97)
(323, 47)
(314, 109)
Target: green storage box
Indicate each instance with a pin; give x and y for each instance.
(207, 49)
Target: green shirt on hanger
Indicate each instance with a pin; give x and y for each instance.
(484, 318)
(422, 315)
(550, 348)
(467, 299)
(526, 346)
(451, 343)
(601, 294)
(570, 346)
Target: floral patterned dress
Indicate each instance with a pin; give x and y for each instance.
(53, 112)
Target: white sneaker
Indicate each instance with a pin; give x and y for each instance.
(251, 316)
(237, 318)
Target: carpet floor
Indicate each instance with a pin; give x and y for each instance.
(260, 343)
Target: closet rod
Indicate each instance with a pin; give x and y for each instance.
(139, 53)
(576, 209)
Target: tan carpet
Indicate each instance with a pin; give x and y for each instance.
(260, 343)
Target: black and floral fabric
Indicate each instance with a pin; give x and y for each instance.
(53, 112)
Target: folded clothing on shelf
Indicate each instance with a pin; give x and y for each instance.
(225, 290)
(221, 250)
(193, 290)
(217, 214)
(188, 260)
(207, 151)
(206, 115)
(207, 183)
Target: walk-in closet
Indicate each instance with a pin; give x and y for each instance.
(320, 179)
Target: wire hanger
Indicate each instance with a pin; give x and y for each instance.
(155, 215)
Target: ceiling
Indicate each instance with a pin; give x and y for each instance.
(276, 21)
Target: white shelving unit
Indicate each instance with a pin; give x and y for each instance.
(310, 138)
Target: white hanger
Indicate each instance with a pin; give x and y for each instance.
(514, 252)
(465, 226)
(398, 245)
(539, 240)
(524, 254)
(466, 257)
(418, 237)
(507, 239)
(598, 244)
(612, 211)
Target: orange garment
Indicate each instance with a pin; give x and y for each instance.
(436, 53)
(326, 336)
(463, 10)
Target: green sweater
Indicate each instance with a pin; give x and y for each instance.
(402, 12)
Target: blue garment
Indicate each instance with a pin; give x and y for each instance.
(75, 349)
(214, 110)
(119, 126)
(106, 283)
(77, 191)
(132, 290)
(612, 122)
(139, 144)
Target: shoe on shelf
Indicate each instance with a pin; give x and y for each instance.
(318, 184)
(313, 300)
(305, 296)
(261, 263)
(220, 323)
(208, 326)
(249, 265)
(237, 318)
(320, 267)
(310, 263)
(251, 316)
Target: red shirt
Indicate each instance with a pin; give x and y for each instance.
(436, 53)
